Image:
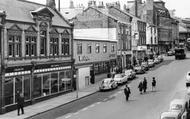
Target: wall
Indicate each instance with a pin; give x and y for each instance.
(82, 74)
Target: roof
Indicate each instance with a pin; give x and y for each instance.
(20, 10)
(71, 13)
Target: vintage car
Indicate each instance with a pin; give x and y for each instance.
(121, 78)
(156, 60)
(160, 58)
(131, 74)
(139, 70)
(151, 63)
(188, 79)
(170, 53)
(107, 84)
(145, 65)
(173, 115)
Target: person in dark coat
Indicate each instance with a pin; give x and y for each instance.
(144, 85)
(127, 92)
(153, 84)
(140, 86)
(20, 103)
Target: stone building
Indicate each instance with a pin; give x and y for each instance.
(36, 53)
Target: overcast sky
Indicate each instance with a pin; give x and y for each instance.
(182, 7)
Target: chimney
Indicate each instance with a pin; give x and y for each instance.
(92, 3)
(101, 4)
(160, 2)
(50, 3)
(71, 5)
(126, 9)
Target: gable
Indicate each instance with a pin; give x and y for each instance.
(15, 27)
(54, 31)
(31, 29)
(42, 11)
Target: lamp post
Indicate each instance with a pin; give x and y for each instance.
(2, 101)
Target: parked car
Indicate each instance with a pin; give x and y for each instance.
(188, 79)
(145, 65)
(121, 78)
(108, 84)
(151, 63)
(139, 70)
(131, 74)
(160, 57)
(156, 60)
(170, 53)
(178, 105)
(173, 115)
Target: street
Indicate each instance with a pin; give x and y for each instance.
(170, 77)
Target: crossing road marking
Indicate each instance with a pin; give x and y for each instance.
(92, 105)
(84, 109)
(75, 113)
(68, 116)
(105, 99)
(98, 103)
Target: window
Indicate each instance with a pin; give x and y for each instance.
(43, 37)
(112, 48)
(79, 48)
(14, 45)
(31, 46)
(54, 46)
(65, 46)
(97, 48)
(89, 49)
(105, 48)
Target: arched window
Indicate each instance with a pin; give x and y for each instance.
(43, 39)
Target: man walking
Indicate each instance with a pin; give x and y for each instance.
(153, 84)
(20, 102)
(127, 92)
(144, 84)
(140, 86)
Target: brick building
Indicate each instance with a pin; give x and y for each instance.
(36, 53)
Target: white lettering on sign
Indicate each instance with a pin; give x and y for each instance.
(83, 58)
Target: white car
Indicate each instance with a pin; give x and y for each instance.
(130, 74)
(173, 115)
(108, 84)
(121, 78)
(178, 105)
(151, 63)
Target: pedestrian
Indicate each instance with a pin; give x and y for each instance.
(144, 85)
(20, 102)
(127, 92)
(153, 84)
(140, 86)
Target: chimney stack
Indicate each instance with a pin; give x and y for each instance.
(50, 3)
(71, 5)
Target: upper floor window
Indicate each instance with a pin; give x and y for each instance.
(112, 48)
(31, 46)
(79, 48)
(54, 46)
(43, 39)
(14, 45)
(97, 48)
(105, 48)
(65, 43)
(89, 49)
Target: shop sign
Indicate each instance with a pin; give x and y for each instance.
(52, 65)
(83, 58)
(18, 68)
(51, 69)
(126, 52)
(141, 47)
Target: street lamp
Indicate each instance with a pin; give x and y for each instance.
(2, 21)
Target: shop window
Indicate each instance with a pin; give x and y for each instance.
(8, 92)
(18, 86)
(31, 46)
(14, 45)
(105, 48)
(97, 48)
(54, 46)
(79, 48)
(46, 84)
(27, 87)
(89, 49)
(37, 92)
(54, 82)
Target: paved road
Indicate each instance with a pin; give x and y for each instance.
(112, 105)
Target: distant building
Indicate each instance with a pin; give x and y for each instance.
(184, 30)
(37, 52)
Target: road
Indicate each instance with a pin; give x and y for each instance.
(170, 78)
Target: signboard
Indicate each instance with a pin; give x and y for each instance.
(141, 47)
(18, 68)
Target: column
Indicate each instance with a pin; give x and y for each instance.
(5, 43)
(60, 53)
(23, 44)
(38, 39)
(48, 39)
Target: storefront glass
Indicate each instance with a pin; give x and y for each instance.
(18, 86)
(8, 91)
(54, 82)
(46, 84)
(37, 92)
(61, 82)
(27, 87)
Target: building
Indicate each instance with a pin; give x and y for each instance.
(95, 52)
(37, 54)
(184, 30)
(109, 17)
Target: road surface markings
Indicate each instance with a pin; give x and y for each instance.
(75, 113)
(92, 105)
(105, 99)
(68, 116)
(84, 109)
(98, 103)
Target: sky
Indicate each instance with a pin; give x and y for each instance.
(181, 6)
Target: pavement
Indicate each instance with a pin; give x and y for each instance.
(52, 103)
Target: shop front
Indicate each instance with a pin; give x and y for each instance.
(36, 81)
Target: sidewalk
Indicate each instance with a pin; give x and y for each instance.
(54, 102)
